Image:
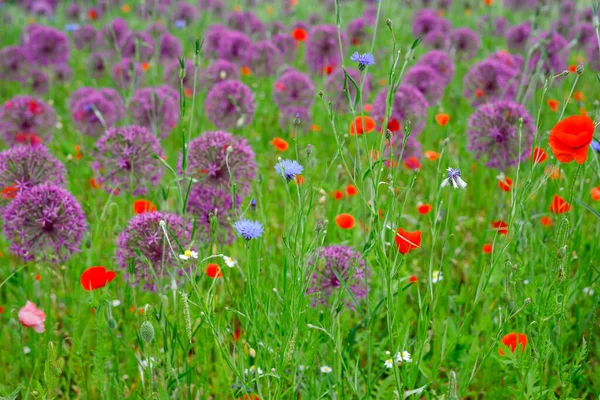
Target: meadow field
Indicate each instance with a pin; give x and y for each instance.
(294, 199)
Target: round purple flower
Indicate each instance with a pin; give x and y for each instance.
(138, 46)
(493, 132)
(286, 45)
(123, 159)
(94, 113)
(337, 268)
(170, 48)
(289, 116)
(465, 43)
(357, 31)
(441, 63)
(13, 64)
(427, 81)
(155, 109)
(247, 22)
(230, 104)
(115, 33)
(334, 88)
(322, 48)
(143, 246)
(46, 46)
(234, 46)
(26, 120)
(87, 38)
(213, 208)
(263, 58)
(294, 88)
(517, 36)
(45, 222)
(97, 65)
(552, 55)
(490, 80)
(211, 165)
(128, 74)
(408, 105)
(219, 71)
(23, 167)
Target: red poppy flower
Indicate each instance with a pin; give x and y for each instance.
(501, 227)
(512, 340)
(424, 209)
(143, 206)
(345, 221)
(487, 248)
(351, 190)
(280, 144)
(9, 193)
(362, 125)
(559, 205)
(546, 221)
(442, 119)
(571, 137)
(407, 241)
(96, 277)
(553, 104)
(213, 271)
(505, 184)
(539, 155)
(299, 34)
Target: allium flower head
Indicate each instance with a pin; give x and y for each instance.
(454, 179)
(230, 104)
(219, 71)
(494, 136)
(210, 163)
(490, 80)
(155, 109)
(26, 120)
(322, 48)
(288, 169)
(427, 81)
(337, 268)
(408, 105)
(441, 63)
(23, 167)
(294, 88)
(363, 60)
(249, 229)
(213, 208)
(45, 222)
(143, 246)
(46, 46)
(123, 159)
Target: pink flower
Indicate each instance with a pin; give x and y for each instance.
(32, 317)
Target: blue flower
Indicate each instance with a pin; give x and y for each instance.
(249, 229)
(71, 27)
(288, 169)
(180, 23)
(363, 60)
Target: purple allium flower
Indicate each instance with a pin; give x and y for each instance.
(170, 48)
(234, 46)
(142, 245)
(13, 64)
(337, 268)
(517, 36)
(490, 80)
(219, 71)
(123, 159)
(115, 33)
(212, 203)
(334, 88)
(248, 23)
(493, 132)
(97, 65)
(465, 43)
(184, 12)
(94, 113)
(408, 105)
(584, 33)
(38, 81)
(249, 229)
(427, 81)
(294, 88)
(264, 58)
(288, 169)
(87, 38)
(357, 31)
(211, 165)
(62, 73)
(322, 48)
(73, 11)
(289, 115)
(230, 104)
(128, 74)
(552, 55)
(155, 109)
(441, 63)
(26, 120)
(138, 46)
(23, 167)
(286, 45)
(45, 222)
(46, 46)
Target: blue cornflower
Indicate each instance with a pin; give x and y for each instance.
(363, 60)
(595, 145)
(71, 27)
(249, 229)
(288, 169)
(180, 23)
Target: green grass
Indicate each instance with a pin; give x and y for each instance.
(532, 283)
